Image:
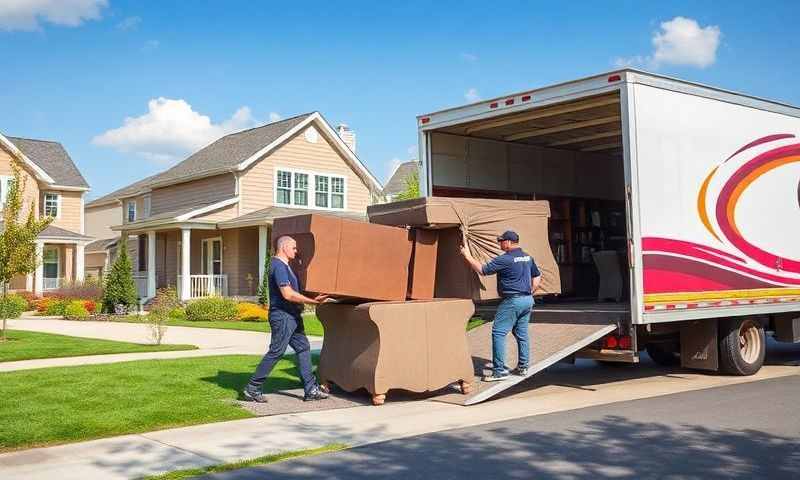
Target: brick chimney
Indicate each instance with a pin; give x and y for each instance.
(347, 135)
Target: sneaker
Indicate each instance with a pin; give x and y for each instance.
(496, 377)
(254, 394)
(314, 395)
(520, 371)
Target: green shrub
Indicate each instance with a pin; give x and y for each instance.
(55, 307)
(177, 313)
(75, 310)
(213, 309)
(12, 306)
(120, 289)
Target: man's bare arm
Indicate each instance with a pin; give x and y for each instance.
(290, 295)
(535, 282)
(474, 264)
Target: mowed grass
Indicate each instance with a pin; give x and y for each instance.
(70, 404)
(311, 322)
(22, 345)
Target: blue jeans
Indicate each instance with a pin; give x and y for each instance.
(513, 315)
(287, 330)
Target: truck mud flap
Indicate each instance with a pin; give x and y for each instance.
(551, 341)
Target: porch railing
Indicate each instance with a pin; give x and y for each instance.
(205, 285)
(52, 283)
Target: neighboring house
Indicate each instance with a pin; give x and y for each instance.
(399, 179)
(203, 225)
(56, 187)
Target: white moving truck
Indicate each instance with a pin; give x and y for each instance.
(675, 207)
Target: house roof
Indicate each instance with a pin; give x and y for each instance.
(126, 191)
(99, 246)
(61, 233)
(179, 215)
(229, 151)
(53, 159)
(267, 215)
(397, 183)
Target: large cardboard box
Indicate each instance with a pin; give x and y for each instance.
(475, 223)
(417, 345)
(347, 258)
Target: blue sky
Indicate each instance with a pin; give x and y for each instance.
(74, 70)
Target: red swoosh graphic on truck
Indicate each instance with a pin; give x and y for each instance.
(672, 265)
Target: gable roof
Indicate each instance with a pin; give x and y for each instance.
(397, 183)
(53, 159)
(229, 151)
(126, 191)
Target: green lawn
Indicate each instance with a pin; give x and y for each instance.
(22, 345)
(312, 324)
(71, 404)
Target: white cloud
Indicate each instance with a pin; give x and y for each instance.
(274, 117)
(469, 57)
(680, 41)
(129, 23)
(150, 45)
(170, 130)
(27, 14)
(472, 95)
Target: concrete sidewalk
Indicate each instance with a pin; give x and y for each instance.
(560, 389)
(210, 341)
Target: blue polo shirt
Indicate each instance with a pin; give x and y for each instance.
(514, 271)
(281, 275)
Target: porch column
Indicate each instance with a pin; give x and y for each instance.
(38, 281)
(151, 264)
(186, 263)
(80, 273)
(262, 251)
(29, 282)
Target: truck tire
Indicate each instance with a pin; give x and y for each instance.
(742, 346)
(663, 355)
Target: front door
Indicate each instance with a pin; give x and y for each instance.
(51, 267)
(211, 251)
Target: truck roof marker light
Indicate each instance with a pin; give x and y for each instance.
(525, 98)
(425, 120)
(614, 78)
(493, 105)
(510, 101)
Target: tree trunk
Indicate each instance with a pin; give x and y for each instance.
(3, 310)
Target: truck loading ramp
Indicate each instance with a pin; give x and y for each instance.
(556, 332)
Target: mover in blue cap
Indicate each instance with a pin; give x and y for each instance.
(517, 278)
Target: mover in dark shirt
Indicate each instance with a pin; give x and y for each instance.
(517, 278)
(286, 325)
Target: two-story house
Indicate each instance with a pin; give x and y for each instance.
(204, 224)
(55, 188)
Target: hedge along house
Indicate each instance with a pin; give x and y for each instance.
(204, 224)
(57, 189)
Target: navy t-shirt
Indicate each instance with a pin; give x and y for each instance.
(281, 275)
(514, 271)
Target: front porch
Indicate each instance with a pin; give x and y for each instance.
(200, 262)
(61, 262)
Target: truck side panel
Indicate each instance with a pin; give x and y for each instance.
(719, 203)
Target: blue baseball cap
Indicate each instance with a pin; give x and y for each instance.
(509, 235)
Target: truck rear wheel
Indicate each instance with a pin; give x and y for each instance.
(664, 354)
(742, 346)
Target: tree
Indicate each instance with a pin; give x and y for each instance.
(263, 287)
(17, 238)
(120, 288)
(412, 187)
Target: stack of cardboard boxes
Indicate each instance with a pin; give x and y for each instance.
(405, 294)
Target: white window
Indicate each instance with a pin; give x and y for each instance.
(5, 187)
(52, 205)
(147, 203)
(296, 188)
(131, 211)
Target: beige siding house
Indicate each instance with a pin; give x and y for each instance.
(56, 188)
(204, 224)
